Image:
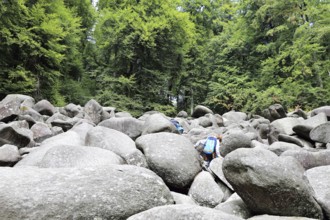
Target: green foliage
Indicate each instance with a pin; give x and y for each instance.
(140, 55)
(271, 52)
(39, 44)
(144, 43)
(121, 102)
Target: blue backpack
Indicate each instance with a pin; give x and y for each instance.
(210, 144)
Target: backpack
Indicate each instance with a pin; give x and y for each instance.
(210, 144)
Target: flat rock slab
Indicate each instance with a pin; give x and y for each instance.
(110, 192)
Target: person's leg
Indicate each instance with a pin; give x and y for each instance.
(208, 159)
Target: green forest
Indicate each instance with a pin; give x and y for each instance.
(168, 56)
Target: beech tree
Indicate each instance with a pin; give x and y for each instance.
(142, 47)
(38, 45)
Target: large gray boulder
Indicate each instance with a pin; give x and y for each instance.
(294, 139)
(127, 125)
(316, 120)
(182, 114)
(323, 109)
(321, 133)
(274, 112)
(216, 169)
(319, 179)
(30, 115)
(235, 207)
(303, 130)
(18, 137)
(82, 127)
(116, 142)
(108, 192)
(172, 157)
(73, 110)
(157, 123)
(44, 107)
(205, 121)
(200, 111)
(310, 159)
(93, 111)
(233, 117)
(41, 131)
(34, 158)
(283, 126)
(233, 141)
(205, 191)
(182, 212)
(279, 147)
(65, 156)
(9, 154)
(12, 105)
(270, 185)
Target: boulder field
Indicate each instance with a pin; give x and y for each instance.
(93, 162)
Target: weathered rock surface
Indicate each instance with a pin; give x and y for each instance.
(172, 157)
(321, 133)
(116, 142)
(234, 141)
(274, 112)
(127, 125)
(109, 192)
(11, 106)
(319, 179)
(269, 185)
(235, 207)
(34, 158)
(200, 111)
(157, 123)
(205, 191)
(66, 156)
(323, 109)
(41, 131)
(9, 154)
(216, 168)
(233, 117)
(93, 111)
(310, 159)
(182, 212)
(44, 107)
(17, 137)
(279, 147)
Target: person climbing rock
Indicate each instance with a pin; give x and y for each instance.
(209, 148)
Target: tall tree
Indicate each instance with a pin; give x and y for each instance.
(274, 52)
(39, 42)
(142, 47)
(209, 18)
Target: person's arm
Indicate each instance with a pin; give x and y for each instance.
(217, 149)
(202, 141)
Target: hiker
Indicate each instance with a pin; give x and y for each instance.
(209, 148)
(177, 125)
